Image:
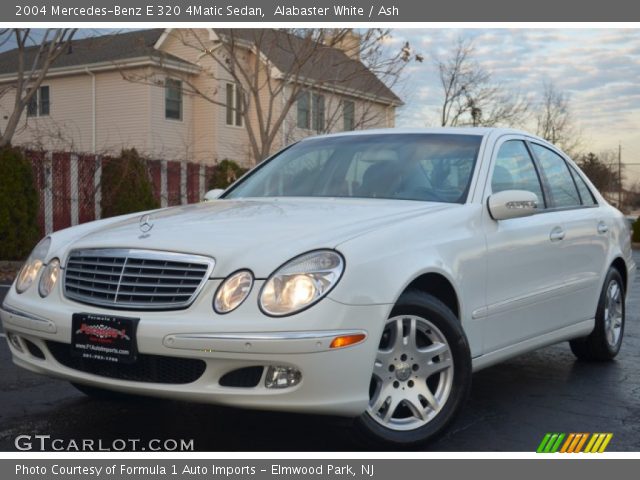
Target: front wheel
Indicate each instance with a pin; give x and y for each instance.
(421, 374)
(606, 338)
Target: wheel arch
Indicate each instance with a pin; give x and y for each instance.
(440, 286)
(621, 266)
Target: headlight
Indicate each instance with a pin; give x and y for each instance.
(301, 282)
(49, 277)
(233, 291)
(32, 266)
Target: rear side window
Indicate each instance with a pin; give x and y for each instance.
(585, 192)
(563, 189)
(514, 170)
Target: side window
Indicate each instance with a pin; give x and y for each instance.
(514, 170)
(173, 99)
(556, 171)
(234, 104)
(304, 110)
(348, 115)
(585, 192)
(38, 105)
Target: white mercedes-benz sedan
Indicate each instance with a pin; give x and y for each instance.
(360, 274)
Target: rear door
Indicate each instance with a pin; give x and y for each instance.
(584, 247)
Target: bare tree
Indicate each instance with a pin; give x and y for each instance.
(35, 56)
(246, 58)
(469, 95)
(555, 121)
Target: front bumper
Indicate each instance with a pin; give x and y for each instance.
(334, 381)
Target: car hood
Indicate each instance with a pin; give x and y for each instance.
(259, 234)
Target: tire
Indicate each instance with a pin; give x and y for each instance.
(104, 394)
(606, 338)
(416, 392)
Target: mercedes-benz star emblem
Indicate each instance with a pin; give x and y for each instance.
(145, 223)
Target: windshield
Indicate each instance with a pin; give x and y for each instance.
(428, 167)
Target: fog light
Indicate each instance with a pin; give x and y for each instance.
(282, 377)
(15, 341)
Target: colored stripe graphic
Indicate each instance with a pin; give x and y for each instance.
(550, 443)
(543, 443)
(605, 443)
(574, 443)
(581, 443)
(598, 442)
(566, 445)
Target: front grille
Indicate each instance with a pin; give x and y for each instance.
(135, 279)
(147, 368)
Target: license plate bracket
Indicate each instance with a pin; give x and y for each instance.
(104, 338)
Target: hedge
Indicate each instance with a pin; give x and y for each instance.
(19, 205)
(126, 186)
(225, 173)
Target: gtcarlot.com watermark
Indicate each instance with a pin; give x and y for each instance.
(47, 443)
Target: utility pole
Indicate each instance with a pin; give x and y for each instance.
(620, 176)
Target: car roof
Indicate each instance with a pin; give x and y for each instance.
(481, 131)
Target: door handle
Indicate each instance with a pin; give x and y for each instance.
(557, 234)
(602, 227)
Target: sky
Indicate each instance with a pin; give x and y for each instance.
(599, 69)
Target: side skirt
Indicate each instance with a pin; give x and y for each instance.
(581, 329)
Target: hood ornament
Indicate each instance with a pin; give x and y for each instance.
(145, 224)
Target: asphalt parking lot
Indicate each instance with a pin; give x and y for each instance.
(511, 407)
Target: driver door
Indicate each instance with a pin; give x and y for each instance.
(525, 270)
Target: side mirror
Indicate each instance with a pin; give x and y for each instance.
(512, 204)
(213, 194)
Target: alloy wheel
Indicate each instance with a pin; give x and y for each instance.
(413, 374)
(613, 313)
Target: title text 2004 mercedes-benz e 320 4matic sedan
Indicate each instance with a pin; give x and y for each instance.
(361, 274)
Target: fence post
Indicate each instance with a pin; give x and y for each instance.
(201, 178)
(97, 188)
(164, 197)
(73, 188)
(48, 193)
(183, 183)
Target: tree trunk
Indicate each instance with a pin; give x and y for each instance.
(11, 127)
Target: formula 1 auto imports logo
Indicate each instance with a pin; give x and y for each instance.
(102, 331)
(574, 443)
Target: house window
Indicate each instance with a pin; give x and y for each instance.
(39, 104)
(304, 110)
(349, 115)
(234, 105)
(311, 111)
(173, 99)
(318, 112)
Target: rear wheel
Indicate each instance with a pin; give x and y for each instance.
(606, 338)
(421, 374)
